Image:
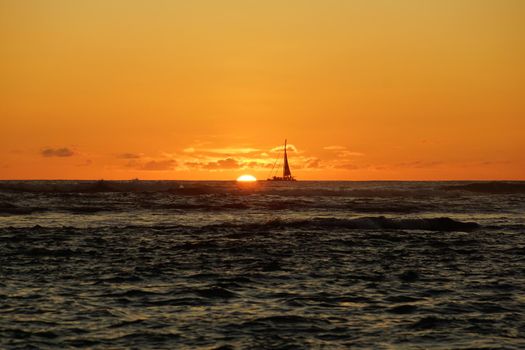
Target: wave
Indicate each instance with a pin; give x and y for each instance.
(48, 252)
(205, 207)
(215, 293)
(285, 319)
(431, 322)
(403, 309)
(100, 186)
(239, 230)
(495, 187)
(289, 204)
(88, 210)
(276, 205)
(11, 209)
(393, 208)
(364, 223)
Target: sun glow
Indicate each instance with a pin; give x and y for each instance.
(246, 178)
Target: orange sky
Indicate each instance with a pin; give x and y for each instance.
(205, 89)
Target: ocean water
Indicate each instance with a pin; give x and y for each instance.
(221, 265)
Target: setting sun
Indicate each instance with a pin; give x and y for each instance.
(246, 178)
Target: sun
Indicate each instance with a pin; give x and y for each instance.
(246, 178)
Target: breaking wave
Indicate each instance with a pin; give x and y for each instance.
(364, 223)
(495, 187)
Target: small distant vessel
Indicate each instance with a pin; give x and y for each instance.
(287, 174)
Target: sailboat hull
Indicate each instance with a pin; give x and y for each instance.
(287, 174)
(280, 178)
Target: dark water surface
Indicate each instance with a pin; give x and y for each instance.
(170, 264)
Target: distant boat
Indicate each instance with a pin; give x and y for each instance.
(287, 174)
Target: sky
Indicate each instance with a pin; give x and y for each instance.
(206, 89)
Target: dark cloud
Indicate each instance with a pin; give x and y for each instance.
(313, 164)
(497, 162)
(158, 165)
(418, 164)
(228, 163)
(57, 152)
(289, 148)
(193, 164)
(128, 156)
(256, 164)
(349, 166)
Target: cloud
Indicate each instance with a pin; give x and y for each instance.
(289, 147)
(159, 165)
(342, 151)
(257, 164)
(128, 156)
(349, 166)
(343, 154)
(313, 164)
(495, 162)
(418, 164)
(228, 163)
(233, 150)
(334, 148)
(153, 165)
(221, 164)
(57, 152)
(221, 151)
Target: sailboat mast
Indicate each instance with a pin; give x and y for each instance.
(287, 174)
(285, 163)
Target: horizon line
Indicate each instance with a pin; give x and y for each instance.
(309, 180)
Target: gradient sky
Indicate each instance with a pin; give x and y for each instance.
(205, 89)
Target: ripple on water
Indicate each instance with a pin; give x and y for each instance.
(214, 268)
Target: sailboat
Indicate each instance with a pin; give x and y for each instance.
(287, 174)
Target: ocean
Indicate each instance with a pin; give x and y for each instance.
(265, 265)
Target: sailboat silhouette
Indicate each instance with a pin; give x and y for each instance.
(287, 174)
